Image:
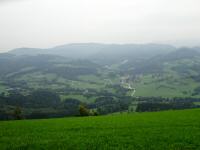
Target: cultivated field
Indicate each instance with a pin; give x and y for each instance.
(169, 130)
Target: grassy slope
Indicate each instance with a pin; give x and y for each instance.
(152, 87)
(2, 88)
(169, 85)
(162, 130)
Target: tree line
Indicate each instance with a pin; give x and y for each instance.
(47, 104)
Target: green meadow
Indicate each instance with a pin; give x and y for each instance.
(167, 130)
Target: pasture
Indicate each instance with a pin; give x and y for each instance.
(171, 130)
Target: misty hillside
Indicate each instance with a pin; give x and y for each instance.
(100, 52)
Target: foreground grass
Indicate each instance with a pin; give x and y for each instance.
(178, 130)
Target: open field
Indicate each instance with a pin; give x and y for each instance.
(173, 130)
(2, 88)
(165, 86)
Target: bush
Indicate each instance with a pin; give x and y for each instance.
(83, 110)
(17, 113)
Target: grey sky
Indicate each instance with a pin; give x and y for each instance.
(46, 23)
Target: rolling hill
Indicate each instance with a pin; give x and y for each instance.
(99, 51)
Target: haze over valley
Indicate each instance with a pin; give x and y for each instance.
(99, 75)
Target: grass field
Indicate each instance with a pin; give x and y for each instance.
(170, 130)
(171, 86)
(2, 88)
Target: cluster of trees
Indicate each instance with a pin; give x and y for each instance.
(38, 104)
(159, 103)
(165, 99)
(142, 107)
(47, 104)
(196, 91)
(71, 72)
(196, 78)
(109, 104)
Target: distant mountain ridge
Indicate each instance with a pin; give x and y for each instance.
(94, 50)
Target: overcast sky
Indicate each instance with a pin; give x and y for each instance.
(46, 23)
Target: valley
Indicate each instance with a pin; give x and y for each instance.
(99, 75)
(107, 84)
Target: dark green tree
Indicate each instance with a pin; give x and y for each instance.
(83, 110)
(17, 113)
